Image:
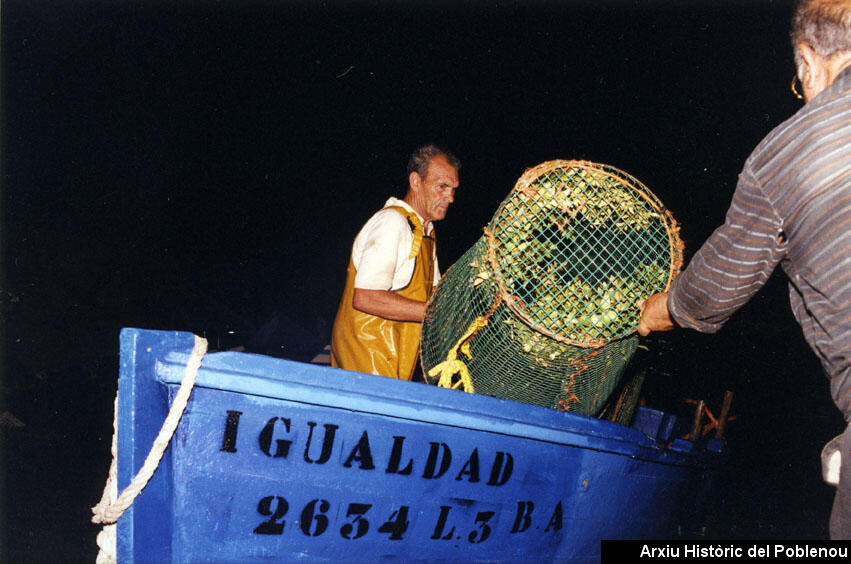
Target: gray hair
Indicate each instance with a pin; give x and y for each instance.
(421, 158)
(823, 24)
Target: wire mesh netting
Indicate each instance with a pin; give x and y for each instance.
(543, 308)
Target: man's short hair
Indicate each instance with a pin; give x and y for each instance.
(824, 24)
(421, 158)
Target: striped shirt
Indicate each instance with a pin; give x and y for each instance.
(792, 206)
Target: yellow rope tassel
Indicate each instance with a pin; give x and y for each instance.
(452, 366)
(448, 369)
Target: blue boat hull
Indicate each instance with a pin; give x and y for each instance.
(279, 461)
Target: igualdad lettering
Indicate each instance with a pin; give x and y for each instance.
(437, 460)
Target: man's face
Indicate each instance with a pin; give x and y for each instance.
(436, 191)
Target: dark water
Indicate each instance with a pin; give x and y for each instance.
(205, 166)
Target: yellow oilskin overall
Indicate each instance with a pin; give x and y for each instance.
(371, 344)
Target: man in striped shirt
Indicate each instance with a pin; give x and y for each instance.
(792, 206)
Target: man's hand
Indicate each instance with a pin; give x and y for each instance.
(654, 315)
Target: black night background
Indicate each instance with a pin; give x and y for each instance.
(204, 166)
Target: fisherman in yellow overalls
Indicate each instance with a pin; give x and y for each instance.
(392, 271)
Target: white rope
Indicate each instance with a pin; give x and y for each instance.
(112, 506)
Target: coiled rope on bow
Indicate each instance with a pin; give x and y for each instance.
(111, 506)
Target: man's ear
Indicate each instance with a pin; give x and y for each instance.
(812, 68)
(415, 181)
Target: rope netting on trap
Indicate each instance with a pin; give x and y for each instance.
(543, 308)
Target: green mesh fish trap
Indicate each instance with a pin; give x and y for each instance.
(543, 308)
